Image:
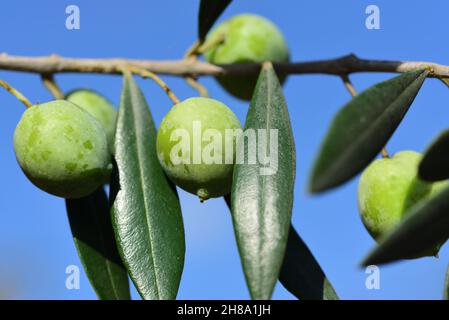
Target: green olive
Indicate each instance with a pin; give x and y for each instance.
(191, 146)
(388, 188)
(99, 107)
(246, 38)
(62, 149)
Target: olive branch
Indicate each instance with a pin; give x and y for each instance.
(185, 67)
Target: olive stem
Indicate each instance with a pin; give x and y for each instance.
(16, 93)
(148, 74)
(349, 86)
(191, 79)
(50, 83)
(219, 39)
(351, 89)
(202, 90)
(193, 50)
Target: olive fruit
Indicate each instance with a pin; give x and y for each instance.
(246, 38)
(62, 149)
(191, 146)
(99, 107)
(388, 188)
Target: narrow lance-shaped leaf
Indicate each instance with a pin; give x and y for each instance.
(262, 193)
(209, 12)
(425, 227)
(300, 272)
(91, 226)
(435, 163)
(146, 211)
(361, 129)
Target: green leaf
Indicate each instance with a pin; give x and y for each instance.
(435, 163)
(361, 129)
(425, 226)
(446, 286)
(262, 204)
(301, 274)
(92, 232)
(209, 12)
(146, 211)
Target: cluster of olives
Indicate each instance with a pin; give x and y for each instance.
(64, 146)
(388, 188)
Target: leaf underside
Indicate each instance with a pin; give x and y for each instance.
(146, 211)
(361, 129)
(91, 227)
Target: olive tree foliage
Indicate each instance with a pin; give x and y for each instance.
(137, 230)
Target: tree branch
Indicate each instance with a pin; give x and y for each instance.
(187, 67)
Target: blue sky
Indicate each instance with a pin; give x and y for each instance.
(35, 241)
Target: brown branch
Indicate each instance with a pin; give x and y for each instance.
(185, 67)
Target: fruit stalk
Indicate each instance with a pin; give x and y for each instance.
(16, 93)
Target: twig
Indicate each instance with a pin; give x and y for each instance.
(202, 90)
(193, 50)
(351, 89)
(349, 86)
(148, 74)
(340, 66)
(50, 83)
(191, 79)
(16, 94)
(219, 39)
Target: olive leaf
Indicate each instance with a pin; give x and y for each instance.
(300, 273)
(262, 197)
(361, 129)
(435, 164)
(446, 286)
(90, 222)
(209, 12)
(424, 227)
(146, 211)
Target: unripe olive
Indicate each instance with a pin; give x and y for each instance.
(62, 149)
(99, 107)
(190, 135)
(247, 38)
(388, 188)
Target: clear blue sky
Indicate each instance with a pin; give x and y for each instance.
(35, 241)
